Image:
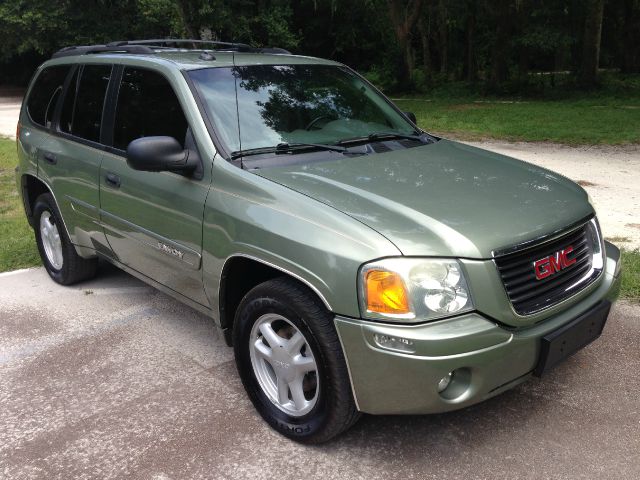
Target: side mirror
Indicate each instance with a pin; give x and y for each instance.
(411, 116)
(159, 154)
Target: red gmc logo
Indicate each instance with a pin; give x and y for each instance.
(553, 263)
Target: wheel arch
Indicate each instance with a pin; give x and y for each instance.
(32, 188)
(240, 274)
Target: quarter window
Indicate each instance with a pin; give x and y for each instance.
(45, 93)
(84, 101)
(147, 106)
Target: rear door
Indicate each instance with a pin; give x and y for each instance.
(153, 221)
(71, 159)
(38, 113)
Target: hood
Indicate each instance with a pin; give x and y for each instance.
(442, 199)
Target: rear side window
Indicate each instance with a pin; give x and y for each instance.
(45, 93)
(82, 109)
(147, 106)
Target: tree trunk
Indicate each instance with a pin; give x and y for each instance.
(631, 37)
(443, 15)
(500, 51)
(588, 73)
(425, 38)
(470, 68)
(404, 16)
(523, 16)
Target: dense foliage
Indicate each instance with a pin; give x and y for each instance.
(402, 44)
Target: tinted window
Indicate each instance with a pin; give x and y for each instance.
(45, 93)
(147, 106)
(69, 103)
(82, 109)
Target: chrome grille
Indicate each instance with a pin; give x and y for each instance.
(529, 293)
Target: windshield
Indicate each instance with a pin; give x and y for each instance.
(293, 104)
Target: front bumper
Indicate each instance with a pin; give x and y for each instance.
(488, 358)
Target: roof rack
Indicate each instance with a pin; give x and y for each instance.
(87, 49)
(146, 47)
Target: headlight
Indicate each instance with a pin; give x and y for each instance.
(413, 289)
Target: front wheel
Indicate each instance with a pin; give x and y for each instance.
(291, 363)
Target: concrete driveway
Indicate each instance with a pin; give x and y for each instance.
(10, 102)
(112, 379)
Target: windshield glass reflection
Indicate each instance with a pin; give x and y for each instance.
(276, 104)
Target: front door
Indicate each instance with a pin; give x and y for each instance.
(153, 221)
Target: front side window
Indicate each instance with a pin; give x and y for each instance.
(44, 95)
(147, 106)
(293, 104)
(82, 108)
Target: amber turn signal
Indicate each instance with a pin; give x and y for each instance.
(386, 293)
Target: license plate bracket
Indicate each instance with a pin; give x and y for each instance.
(568, 339)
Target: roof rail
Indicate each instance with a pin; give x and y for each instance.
(175, 42)
(152, 46)
(87, 49)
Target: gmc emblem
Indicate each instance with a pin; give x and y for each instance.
(553, 263)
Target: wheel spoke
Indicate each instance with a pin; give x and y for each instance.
(283, 391)
(262, 350)
(295, 343)
(56, 257)
(297, 393)
(304, 364)
(273, 339)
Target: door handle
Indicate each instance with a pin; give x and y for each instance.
(112, 180)
(50, 158)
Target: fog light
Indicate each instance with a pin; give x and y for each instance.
(394, 343)
(444, 382)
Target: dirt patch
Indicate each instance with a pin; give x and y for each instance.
(618, 239)
(586, 183)
(633, 225)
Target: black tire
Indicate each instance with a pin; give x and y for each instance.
(74, 267)
(335, 410)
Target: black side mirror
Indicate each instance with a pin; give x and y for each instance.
(159, 154)
(411, 116)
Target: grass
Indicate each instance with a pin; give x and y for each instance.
(569, 121)
(608, 116)
(631, 275)
(17, 242)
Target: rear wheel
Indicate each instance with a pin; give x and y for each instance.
(291, 363)
(58, 255)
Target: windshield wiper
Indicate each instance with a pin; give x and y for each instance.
(286, 148)
(381, 136)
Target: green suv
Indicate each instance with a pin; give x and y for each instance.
(354, 262)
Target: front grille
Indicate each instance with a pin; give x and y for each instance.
(527, 293)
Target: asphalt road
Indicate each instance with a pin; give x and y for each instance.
(112, 379)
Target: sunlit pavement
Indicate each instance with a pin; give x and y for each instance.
(10, 101)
